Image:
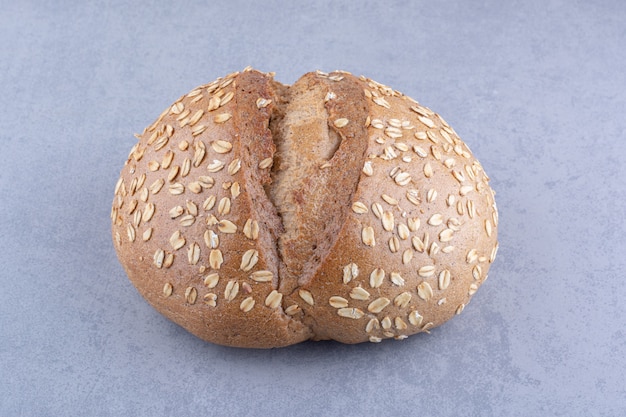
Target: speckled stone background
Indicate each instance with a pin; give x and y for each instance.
(536, 88)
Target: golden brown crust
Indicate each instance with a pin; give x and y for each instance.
(395, 229)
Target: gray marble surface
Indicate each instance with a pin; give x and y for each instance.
(536, 88)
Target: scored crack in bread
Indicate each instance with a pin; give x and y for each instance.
(257, 214)
(316, 171)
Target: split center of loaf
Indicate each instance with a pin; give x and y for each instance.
(316, 169)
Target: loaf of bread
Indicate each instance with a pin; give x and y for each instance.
(257, 214)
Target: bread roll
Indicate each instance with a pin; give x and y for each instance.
(257, 214)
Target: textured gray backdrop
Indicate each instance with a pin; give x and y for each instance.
(536, 88)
